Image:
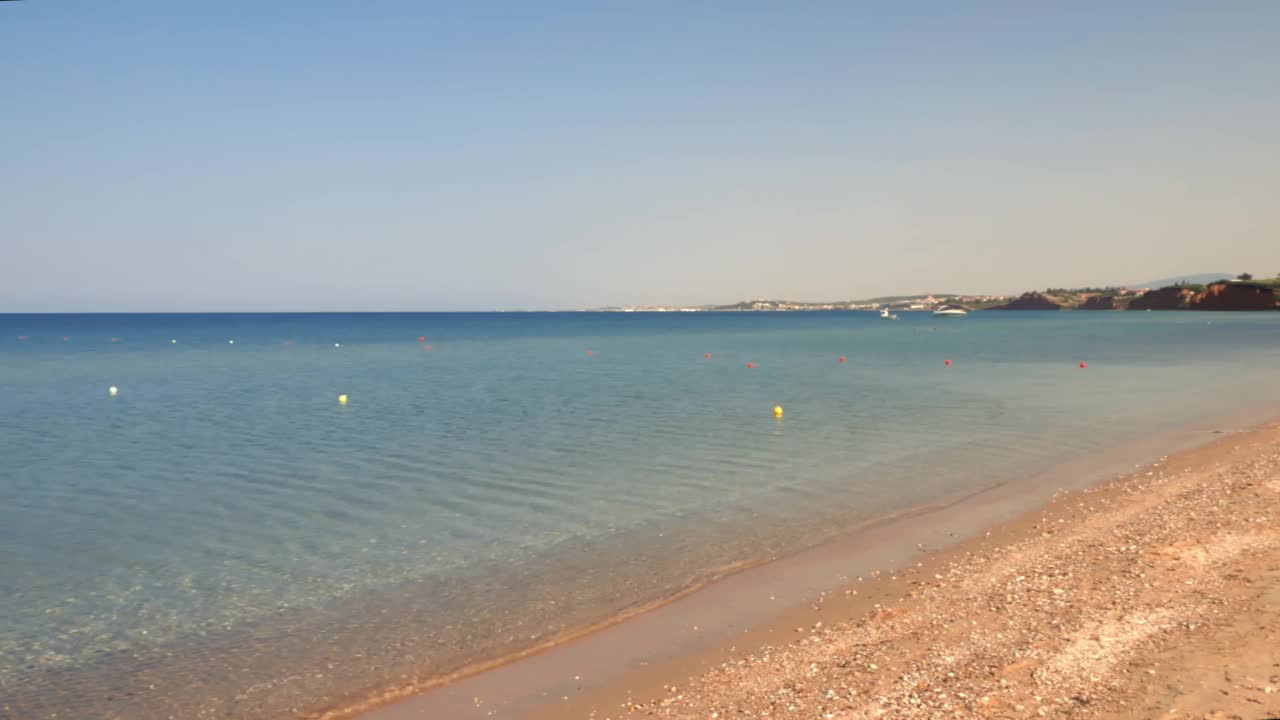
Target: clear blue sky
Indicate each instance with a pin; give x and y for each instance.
(413, 155)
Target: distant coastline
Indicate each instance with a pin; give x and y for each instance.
(1242, 293)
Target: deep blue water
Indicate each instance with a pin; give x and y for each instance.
(223, 537)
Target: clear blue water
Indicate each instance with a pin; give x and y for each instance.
(223, 539)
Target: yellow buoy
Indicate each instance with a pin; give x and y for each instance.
(342, 399)
(777, 411)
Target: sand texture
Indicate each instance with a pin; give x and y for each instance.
(1153, 596)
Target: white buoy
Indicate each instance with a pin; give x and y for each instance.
(113, 390)
(337, 344)
(231, 342)
(173, 342)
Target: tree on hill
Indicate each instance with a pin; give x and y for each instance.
(1244, 276)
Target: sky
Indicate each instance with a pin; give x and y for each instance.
(400, 155)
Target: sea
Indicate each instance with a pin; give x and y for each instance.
(222, 537)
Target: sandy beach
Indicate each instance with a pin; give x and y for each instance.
(1156, 595)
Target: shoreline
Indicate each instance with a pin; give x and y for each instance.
(704, 625)
(291, 618)
(1184, 624)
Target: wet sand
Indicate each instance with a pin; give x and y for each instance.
(1156, 595)
(777, 626)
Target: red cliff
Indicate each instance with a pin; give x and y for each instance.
(1218, 296)
(1169, 298)
(1235, 296)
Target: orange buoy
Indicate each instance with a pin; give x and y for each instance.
(1084, 364)
(948, 361)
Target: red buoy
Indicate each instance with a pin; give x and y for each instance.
(1084, 364)
(591, 352)
(422, 338)
(841, 358)
(751, 365)
(426, 347)
(948, 361)
(286, 342)
(707, 355)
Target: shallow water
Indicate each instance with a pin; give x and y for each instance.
(223, 539)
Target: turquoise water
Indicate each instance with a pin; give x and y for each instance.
(223, 539)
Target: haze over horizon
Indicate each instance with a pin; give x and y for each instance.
(339, 156)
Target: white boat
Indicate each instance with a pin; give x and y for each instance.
(950, 311)
(884, 313)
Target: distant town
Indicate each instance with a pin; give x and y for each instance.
(1242, 292)
(913, 302)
